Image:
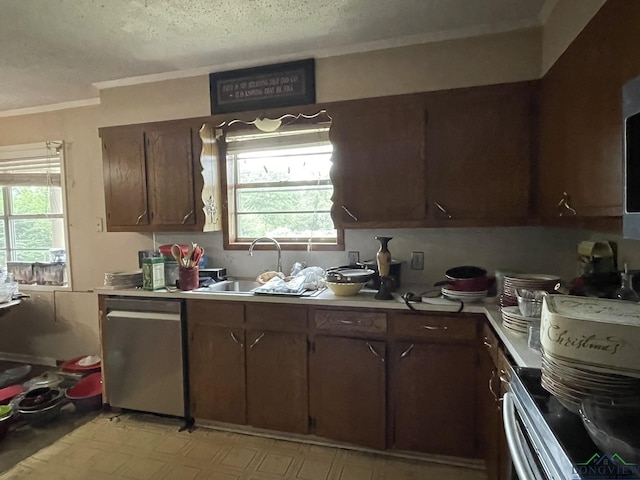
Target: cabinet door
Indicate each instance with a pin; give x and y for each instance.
(433, 396)
(347, 390)
(581, 122)
(170, 175)
(217, 362)
(125, 181)
(479, 150)
(277, 390)
(378, 162)
(490, 415)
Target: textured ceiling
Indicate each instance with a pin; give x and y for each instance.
(53, 51)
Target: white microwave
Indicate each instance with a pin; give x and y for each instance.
(631, 123)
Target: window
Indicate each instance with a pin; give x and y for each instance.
(32, 222)
(278, 185)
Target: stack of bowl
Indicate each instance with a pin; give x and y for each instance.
(345, 282)
(40, 406)
(525, 317)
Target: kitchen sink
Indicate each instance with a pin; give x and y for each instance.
(246, 287)
(231, 286)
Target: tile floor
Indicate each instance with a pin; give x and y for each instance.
(142, 447)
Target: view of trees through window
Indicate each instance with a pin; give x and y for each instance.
(32, 223)
(284, 193)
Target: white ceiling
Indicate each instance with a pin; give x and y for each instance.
(54, 51)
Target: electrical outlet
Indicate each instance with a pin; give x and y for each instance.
(99, 226)
(417, 260)
(354, 258)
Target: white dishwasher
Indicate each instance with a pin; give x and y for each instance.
(143, 355)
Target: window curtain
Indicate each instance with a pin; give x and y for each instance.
(34, 164)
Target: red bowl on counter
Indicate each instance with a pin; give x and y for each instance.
(166, 249)
(87, 393)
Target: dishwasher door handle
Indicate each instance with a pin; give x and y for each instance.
(160, 316)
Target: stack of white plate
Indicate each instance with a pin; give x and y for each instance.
(463, 295)
(590, 348)
(527, 281)
(570, 382)
(515, 321)
(123, 279)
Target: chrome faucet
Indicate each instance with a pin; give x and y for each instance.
(275, 242)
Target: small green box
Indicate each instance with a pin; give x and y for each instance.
(152, 273)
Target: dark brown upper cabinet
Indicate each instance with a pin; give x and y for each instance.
(125, 177)
(580, 165)
(378, 162)
(151, 177)
(479, 152)
(449, 158)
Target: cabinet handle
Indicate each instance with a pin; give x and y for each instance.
(373, 350)
(493, 376)
(349, 213)
(407, 351)
(235, 339)
(564, 203)
(184, 219)
(443, 210)
(503, 376)
(255, 342)
(348, 322)
(434, 327)
(140, 217)
(487, 344)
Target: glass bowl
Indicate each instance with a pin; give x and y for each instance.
(530, 302)
(613, 425)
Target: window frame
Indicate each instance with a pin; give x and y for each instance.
(17, 152)
(228, 185)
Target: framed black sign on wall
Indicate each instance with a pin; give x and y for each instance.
(269, 86)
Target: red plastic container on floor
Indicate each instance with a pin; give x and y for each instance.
(73, 365)
(8, 393)
(87, 393)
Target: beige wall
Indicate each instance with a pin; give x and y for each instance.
(566, 21)
(64, 324)
(450, 64)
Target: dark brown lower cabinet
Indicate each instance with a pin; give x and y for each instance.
(277, 390)
(490, 416)
(420, 384)
(433, 391)
(217, 361)
(492, 384)
(347, 384)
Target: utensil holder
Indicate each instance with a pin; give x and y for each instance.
(188, 278)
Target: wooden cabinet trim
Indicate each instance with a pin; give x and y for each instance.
(341, 322)
(218, 313)
(434, 327)
(276, 317)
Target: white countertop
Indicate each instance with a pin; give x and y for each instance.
(516, 344)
